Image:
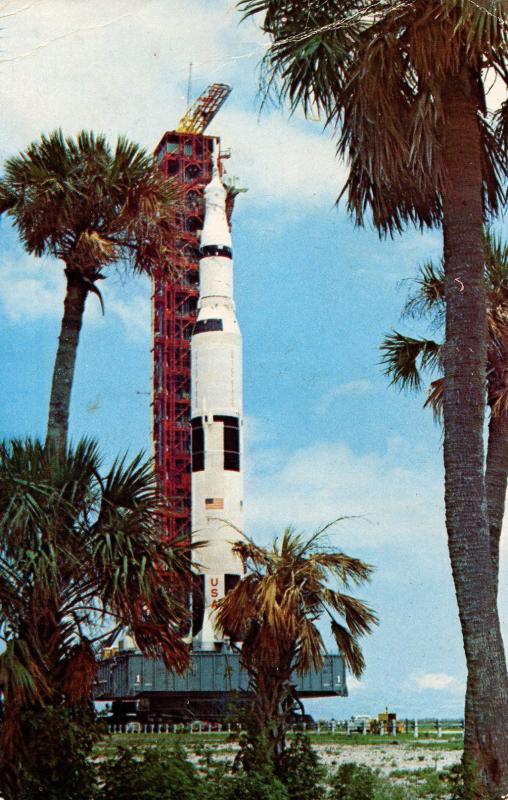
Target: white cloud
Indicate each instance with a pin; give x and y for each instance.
(133, 313)
(311, 486)
(353, 387)
(256, 432)
(355, 685)
(30, 289)
(28, 299)
(282, 160)
(33, 289)
(348, 389)
(439, 681)
(123, 67)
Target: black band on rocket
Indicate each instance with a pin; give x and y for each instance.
(216, 250)
(207, 325)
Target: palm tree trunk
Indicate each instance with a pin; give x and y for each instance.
(465, 356)
(65, 361)
(496, 476)
(272, 702)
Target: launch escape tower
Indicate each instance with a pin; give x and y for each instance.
(185, 155)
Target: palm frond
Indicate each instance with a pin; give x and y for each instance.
(404, 358)
(349, 648)
(358, 617)
(275, 607)
(79, 550)
(428, 299)
(435, 399)
(344, 568)
(80, 201)
(311, 44)
(310, 649)
(22, 680)
(238, 611)
(375, 73)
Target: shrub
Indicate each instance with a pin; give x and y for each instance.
(258, 784)
(253, 751)
(354, 782)
(463, 781)
(434, 786)
(161, 774)
(299, 768)
(55, 762)
(213, 772)
(154, 774)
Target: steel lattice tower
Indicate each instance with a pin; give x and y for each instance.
(186, 156)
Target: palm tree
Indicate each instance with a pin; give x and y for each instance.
(274, 611)
(407, 359)
(79, 201)
(403, 84)
(81, 558)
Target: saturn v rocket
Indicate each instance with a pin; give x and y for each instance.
(216, 419)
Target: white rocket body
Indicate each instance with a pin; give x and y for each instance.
(217, 419)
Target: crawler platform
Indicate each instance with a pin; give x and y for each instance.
(143, 689)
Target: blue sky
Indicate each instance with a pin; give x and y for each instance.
(325, 437)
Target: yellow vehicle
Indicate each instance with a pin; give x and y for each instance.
(389, 722)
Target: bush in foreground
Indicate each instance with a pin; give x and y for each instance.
(301, 771)
(58, 746)
(159, 772)
(155, 774)
(261, 784)
(353, 781)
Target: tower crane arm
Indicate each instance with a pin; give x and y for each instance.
(197, 118)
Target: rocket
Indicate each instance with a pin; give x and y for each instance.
(216, 419)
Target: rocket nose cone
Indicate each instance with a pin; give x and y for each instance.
(215, 189)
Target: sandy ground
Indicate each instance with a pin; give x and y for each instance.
(390, 757)
(385, 758)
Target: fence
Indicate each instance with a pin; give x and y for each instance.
(417, 728)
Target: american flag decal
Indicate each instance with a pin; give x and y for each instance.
(214, 502)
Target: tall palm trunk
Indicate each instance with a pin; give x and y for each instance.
(496, 476)
(465, 356)
(65, 360)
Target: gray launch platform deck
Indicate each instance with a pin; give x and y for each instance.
(210, 686)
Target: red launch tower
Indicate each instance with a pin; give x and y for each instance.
(185, 155)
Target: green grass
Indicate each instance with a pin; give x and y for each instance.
(109, 743)
(449, 742)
